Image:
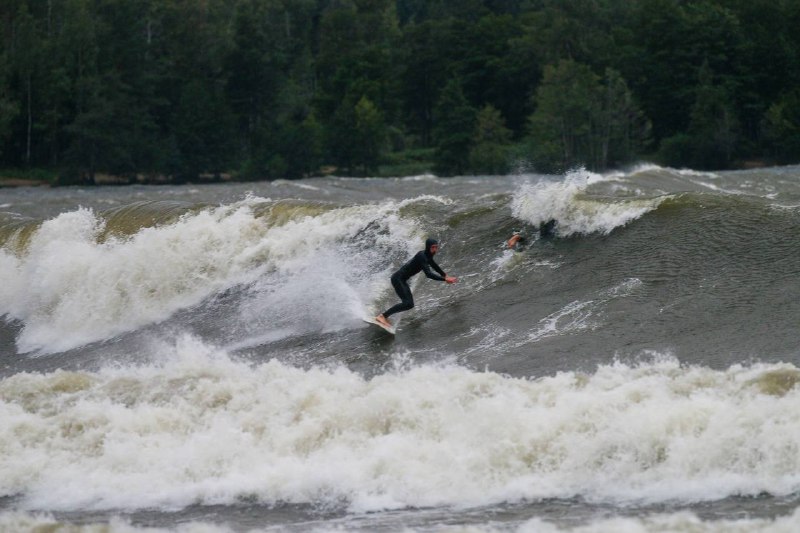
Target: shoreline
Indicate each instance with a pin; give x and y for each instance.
(13, 183)
(104, 180)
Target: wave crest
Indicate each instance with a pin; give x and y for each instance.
(577, 212)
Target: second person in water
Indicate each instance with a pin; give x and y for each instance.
(547, 230)
(421, 262)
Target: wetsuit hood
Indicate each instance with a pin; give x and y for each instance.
(429, 243)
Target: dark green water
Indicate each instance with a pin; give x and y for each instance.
(173, 357)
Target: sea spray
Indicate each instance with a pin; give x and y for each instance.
(69, 287)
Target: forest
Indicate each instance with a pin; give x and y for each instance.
(173, 91)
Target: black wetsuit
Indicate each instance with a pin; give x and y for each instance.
(421, 262)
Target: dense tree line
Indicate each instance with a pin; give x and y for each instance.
(282, 88)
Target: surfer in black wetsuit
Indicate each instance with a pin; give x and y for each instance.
(421, 262)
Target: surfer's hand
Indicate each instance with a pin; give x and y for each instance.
(450, 279)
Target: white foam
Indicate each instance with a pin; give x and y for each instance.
(421, 177)
(68, 289)
(579, 315)
(651, 522)
(698, 173)
(202, 428)
(664, 522)
(568, 203)
(294, 183)
(641, 168)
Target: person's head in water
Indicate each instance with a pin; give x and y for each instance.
(431, 246)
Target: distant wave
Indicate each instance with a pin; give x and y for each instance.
(568, 202)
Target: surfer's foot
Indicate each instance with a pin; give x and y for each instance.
(382, 319)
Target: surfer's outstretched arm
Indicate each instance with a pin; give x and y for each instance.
(426, 267)
(437, 268)
(443, 277)
(430, 263)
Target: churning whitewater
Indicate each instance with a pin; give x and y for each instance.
(201, 427)
(197, 355)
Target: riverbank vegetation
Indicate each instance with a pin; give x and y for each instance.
(181, 90)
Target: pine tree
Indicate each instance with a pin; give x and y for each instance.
(453, 132)
(489, 153)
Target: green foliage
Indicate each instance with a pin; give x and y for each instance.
(277, 88)
(713, 129)
(422, 75)
(203, 131)
(583, 120)
(357, 135)
(490, 144)
(713, 123)
(34, 174)
(340, 135)
(621, 127)
(9, 109)
(782, 127)
(455, 123)
(671, 41)
(301, 146)
(370, 133)
(561, 125)
(411, 162)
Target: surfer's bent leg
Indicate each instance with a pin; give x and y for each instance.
(404, 292)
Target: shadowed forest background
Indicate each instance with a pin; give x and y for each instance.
(177, 90)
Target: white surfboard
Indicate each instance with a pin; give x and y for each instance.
(374, 322)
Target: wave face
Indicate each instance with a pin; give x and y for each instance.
(170, 350)
(75, 283)
(577, 212)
